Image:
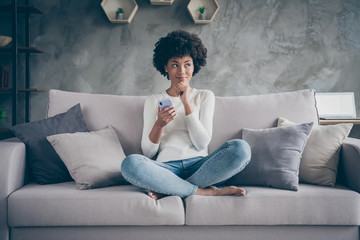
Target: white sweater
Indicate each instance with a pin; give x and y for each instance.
(185, 136)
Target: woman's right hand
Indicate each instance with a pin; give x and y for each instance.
(165, 116)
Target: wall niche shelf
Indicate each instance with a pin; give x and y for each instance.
(211, 8)
(110, 7)
(161, 2)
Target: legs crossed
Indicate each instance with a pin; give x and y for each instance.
(164, 178)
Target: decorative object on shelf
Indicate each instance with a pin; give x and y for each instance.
(129, 8)
(120, 14)
(161, 2)
(202, 15)
(196, 6)
(5, 40)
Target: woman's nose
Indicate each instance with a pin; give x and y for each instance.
(182, 69)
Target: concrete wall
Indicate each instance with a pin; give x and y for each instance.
(254, 47)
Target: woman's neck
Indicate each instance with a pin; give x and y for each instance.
(171, 92)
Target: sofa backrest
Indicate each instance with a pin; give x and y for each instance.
(260, 111)
(125, 113)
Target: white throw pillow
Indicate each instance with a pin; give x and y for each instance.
(92, 158)
(320, 157)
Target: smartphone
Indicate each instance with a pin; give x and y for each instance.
(165, 103)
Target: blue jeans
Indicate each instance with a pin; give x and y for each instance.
(183, 177)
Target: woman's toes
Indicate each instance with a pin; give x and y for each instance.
(241, 192)
(155, 195)
(152, 195)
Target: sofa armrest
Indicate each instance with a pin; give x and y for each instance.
(350, 157)
(12, 177)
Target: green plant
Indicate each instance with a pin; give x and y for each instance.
(119, 10)
(201, 9)
(2, 114)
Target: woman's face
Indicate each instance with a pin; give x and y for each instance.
(180, 70)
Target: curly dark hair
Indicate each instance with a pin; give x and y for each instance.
(179, 44)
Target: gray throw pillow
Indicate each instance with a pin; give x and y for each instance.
(320, 159)
(275, 156)
(92, 158)
(46, 166)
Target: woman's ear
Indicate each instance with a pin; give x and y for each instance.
(167, 73)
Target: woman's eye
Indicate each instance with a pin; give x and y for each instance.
(174, 65)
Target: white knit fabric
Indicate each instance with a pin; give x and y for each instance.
(185, 136)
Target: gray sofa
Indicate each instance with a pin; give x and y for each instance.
(62, 211)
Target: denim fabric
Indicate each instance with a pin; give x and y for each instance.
(183, 177)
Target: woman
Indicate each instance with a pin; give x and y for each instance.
(178, 135)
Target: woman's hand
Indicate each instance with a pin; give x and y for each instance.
(165, 116)
(183, 90)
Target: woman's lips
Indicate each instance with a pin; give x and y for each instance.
(181, 78)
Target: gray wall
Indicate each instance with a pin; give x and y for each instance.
(254, 47)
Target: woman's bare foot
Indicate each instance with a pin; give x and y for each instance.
(225, 191)
(155, 195)
(211, 191)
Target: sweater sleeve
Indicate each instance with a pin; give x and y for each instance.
(150, 115)
(200, 122)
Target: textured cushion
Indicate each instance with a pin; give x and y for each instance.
(64, 204)
(320, 158)
(310, 205)
(92, 158)
(275, 156)
(45, 164)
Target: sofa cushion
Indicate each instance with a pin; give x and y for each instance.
(46, 166)
(320, 159)
(64, 204)
(275, 156)
(92, 158)
(310, 205)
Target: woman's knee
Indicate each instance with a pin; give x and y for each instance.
(130, 163)
(241, 149)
